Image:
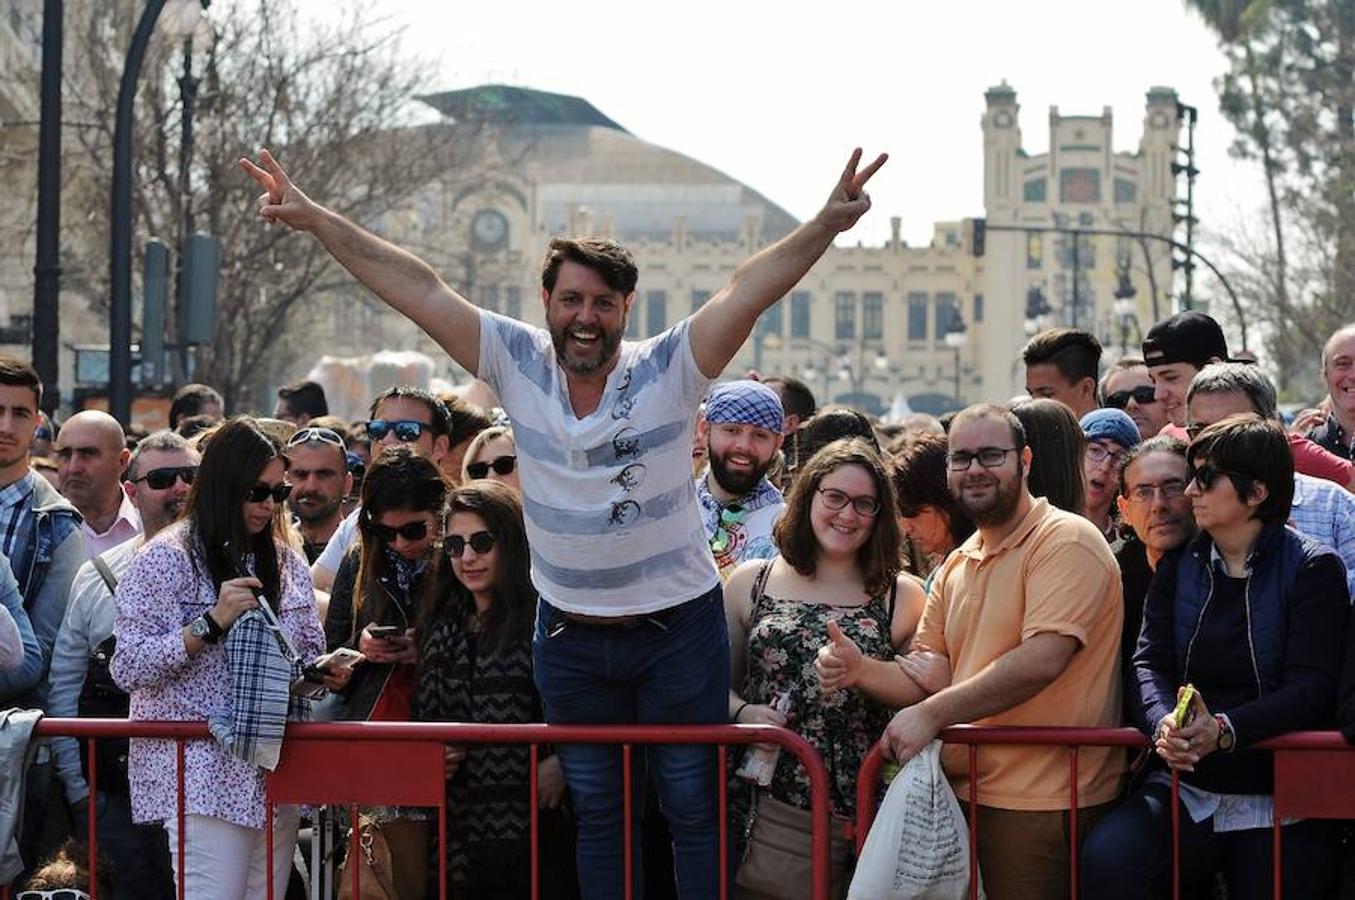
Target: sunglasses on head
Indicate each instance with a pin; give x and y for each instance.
(481, 542)
(56, 894)
(1142, 395)
(315, 433)
(261, 492)
(406, 430)
(410, 531)
(163, 478)
(501, 465)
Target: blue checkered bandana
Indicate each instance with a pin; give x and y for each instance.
(745, 403)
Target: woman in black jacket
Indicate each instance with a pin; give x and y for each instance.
(379, 590)
(1253, 615)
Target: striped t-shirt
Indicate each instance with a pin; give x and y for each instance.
(609, 501)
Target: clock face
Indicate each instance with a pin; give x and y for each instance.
(1002, 119)
(489, 228)
(1158, 119)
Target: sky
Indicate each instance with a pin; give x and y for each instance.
(777, 94)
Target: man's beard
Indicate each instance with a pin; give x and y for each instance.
(162, 515)
(736, 483)
(609, 342)
(316, 513)
(999, 509)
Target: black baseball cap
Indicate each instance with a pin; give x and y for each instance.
(1187, 337)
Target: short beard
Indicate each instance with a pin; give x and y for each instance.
(1004, 503)
(610, 342)
(319, 514)
(736, 483)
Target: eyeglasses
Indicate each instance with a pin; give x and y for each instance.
(1142, 395)
(730, 516)
(501, 465)
(835, 500)
(163, 478)
(1144, 493)
(410, 531)
(261, 492)
(1207, 474)
(1099, 453)
(481, 542)
(406, 430)
(988, 457)
(58, 894)
(315, 433)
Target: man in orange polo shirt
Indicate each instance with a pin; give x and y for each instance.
(1022, 627)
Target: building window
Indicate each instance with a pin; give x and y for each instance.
(1080, 186)
(489, 298)
(947, 312)
(873, 316)
(656, 312)
(799, 314)
(1126, 191)
(917, 317)
(513, 302)
(1034, 250)
(699, 299)
(1034, 191)
(844, 319)
(978, 307)
(770, 321)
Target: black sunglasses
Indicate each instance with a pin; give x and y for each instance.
(501, 465)
(406, 430)
(315, 433)
(164, 478)
(410, 531)
(1207, 474)
(261, 492)
(1142, 395)
(481, 542)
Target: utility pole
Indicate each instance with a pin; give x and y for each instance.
(47, 267)
(1187, 264)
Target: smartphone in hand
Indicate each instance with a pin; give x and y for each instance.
(385, 632)
(1185, 710)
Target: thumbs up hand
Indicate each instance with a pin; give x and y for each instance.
(839, 662)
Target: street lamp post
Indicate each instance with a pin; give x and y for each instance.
(956, 335)
(47, 269)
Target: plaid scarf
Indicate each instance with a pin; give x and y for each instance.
(263, 663)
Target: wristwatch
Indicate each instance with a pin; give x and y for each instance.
(1226, 737)
(205, 629)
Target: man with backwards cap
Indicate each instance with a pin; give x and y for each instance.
(741, 432)
(1110, 435)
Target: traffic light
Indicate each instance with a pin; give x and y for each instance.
(154, 292)
(197, 306)
(978, 236)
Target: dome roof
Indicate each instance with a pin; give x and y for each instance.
(577, 156)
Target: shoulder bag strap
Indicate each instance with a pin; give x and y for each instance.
(760, 583)
(106, 574)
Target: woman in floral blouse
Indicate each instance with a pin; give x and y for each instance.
(839, 564)
(176, 603)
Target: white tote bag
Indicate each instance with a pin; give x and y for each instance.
(918, 847)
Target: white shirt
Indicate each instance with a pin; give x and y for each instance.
(609, 502)
(339, 542)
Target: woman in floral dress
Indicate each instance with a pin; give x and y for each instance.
(839, 563)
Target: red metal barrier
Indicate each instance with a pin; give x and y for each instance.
(1313, 774)
(293, 780)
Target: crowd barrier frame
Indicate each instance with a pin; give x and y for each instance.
(306, 776)
(1308, 766)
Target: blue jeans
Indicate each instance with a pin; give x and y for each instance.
(1128, 856)
(671, 668)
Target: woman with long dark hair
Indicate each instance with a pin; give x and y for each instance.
(379, 590)
(1057, 447)
(476, 666)
(839, 573)
(176, 606)
(929, 514)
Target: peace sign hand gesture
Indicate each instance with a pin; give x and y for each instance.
(849, 201)
(281, 201)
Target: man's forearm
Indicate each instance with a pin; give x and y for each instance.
(769, 274)
(1008, 681)
(884, 681)
(397, 276)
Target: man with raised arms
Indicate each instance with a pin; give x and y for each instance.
(630, 627)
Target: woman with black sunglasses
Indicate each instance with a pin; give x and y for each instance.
(178, 622)
(378, 591)
(475, 665)
(1253, 616)
(492, 454)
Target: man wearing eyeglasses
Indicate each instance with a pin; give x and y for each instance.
(742, 434)
(91, 454)
(159, 477)
(403, 414)
(1025, 617)
(1127, 386)
(318, 472)
(1320, 509)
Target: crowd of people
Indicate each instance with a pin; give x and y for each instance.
(622, 540)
